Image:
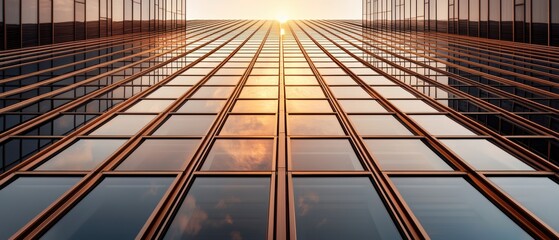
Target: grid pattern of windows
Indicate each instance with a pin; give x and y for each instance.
(26, 23)
(529, 21)
(259, 130)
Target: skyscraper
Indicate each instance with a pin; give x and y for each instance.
(258, 129)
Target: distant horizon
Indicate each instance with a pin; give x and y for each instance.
(272, 9)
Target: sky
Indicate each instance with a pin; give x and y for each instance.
(272, 9)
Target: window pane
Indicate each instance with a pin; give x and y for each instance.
(116, 209)
(240, 155)
(250, 125)
(539, 194)
(405, 154)
(314, 125)
(300, 80)
(168, 92)
(85, 154)
(185, 80)
(262, 80)
(160, 155)
(213, 92)
(483, 155)
(259, 92)
(339, 80)
(340, 208)
(413, 106)
(450, 208)
(151, 106)
(255, 106)
(393, 92)
(378, 125)
(377, 80)
(304, 92)
(202, 106)
(330, 154)
(26, 197)
(223, 208)
(308, 106)
(185, 125)
(123, 125)
(441, 125)
(349, 92)
(223, 80)
(362, 106)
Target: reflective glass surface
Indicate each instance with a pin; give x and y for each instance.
(262, 80)
(441, 125)
(323, 154)
(540, 195)
(117, 208)
(202, 106)
(250, 125)
(25, 197)
(223, 208)
(123, 125)
(259, 92)
(185, 125)
(213, 92)
(484, 155)
(240, 155)
(255, 106)
(168, 92)
(314, 125)
(83, 155)
(413, 106)
(450, 208)
(300, 80)
(304, 92)
(340, 208)
(349, 92)
(160, 155)
(308, 106)
(393, 92)
(362, 106)
(405, 154)
(150, 106)
(378, 125)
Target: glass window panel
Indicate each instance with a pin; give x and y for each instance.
(349, 92)
(240, 155)
(26, 197)
(116, 209)
(255, 106)
(160, 155)
(323, 154)
(308, 106)
(223, 208)
(441, 125)
(484, 155)
(314, 125)
(300, 80)
(378, 125)
(84, 155)
(393, 92)
(340, 208)
(186, 125)
(540, 195)
(377, 80)
(408, 106)
(213, 92)
(223, 80)
(362, 106)
(450, 208)
(405, 154)
(259, 92)
(262, 80)
(250, 125)
(123, 125)
(168, 92)
(304, 92)
(202, 106)
(339, 80)
(298, 71)
(151, 106)
(185, 80)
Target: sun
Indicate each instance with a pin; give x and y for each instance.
(282, 19)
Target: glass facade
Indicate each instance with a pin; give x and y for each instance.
(254, 129)
(27, 23)
(527, 21)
